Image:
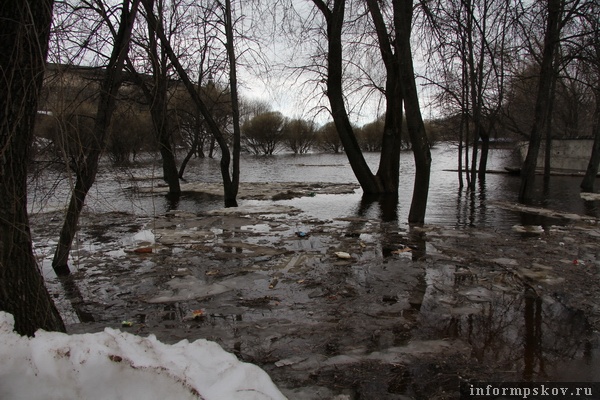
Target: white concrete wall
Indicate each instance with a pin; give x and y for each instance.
(567, 154)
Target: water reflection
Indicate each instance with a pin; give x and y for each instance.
(74, 296)
(518, 334)
(382, 207)
(172, 201)
(533, 336)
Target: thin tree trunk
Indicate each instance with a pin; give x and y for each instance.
(461, 183)
(189, 154)
(24, 34)
(232, 191)
(474, 91)
(548, 146)
(169, 163)
(86, 174)
(158, 107)
(485, 151)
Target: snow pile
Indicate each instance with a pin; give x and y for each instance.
(119, 365)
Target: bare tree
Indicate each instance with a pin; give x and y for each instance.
(334, 19)
(88, 167)
(544, 96)
(401, 88)
(469, 48)
(158, 97)
(24, 34)
(229, 164)
(328, 139)
(192, 124)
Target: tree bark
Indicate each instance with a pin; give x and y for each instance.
(403, 12)
(86, 172)
(543, 99)
(24, 34)
(232, 190)
(388, 173)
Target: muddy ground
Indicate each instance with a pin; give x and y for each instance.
(347, 308)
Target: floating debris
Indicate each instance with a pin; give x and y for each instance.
(343, 255)
(535, 229)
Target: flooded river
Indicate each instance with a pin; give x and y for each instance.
(447, 205)
(335, 297)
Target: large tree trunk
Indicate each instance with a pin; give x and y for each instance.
(543, 100)
(24, 36)
(403, 12)
(86, 172)
(335, 21)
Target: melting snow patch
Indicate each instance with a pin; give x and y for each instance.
(256, 209)
(143, 236)
(119, 365)
(590, 196)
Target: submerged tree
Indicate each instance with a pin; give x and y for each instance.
(393, 41)
(158, 97)
(469, 50)
(229, 159)
(544, 96)
(403, 12)
(264, 134)
(328, 139)
(24, 36)
(299, 135)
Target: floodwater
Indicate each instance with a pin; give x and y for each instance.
(447, 204)
(409, 315)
